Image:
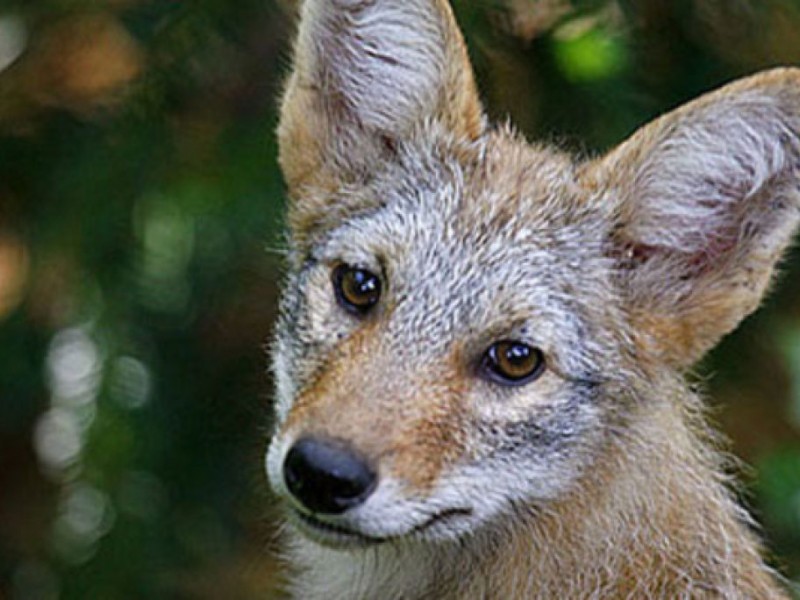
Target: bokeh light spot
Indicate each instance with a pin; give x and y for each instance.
(587, 53)
(57, 440)
(13, 40)
(85, 515)
(130, 382)
(73, 367)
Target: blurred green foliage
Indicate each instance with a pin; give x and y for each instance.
(140, 213)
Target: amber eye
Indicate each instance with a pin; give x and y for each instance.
(357, 290)
(512, 363)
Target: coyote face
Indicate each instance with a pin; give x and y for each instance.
(472, 325)
(466, 261)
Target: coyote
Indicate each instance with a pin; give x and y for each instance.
(482, 345)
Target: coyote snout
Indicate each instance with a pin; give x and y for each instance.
(326, 476)
(482, 342)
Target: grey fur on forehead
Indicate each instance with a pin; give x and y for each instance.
(497, 188)
(462, 264)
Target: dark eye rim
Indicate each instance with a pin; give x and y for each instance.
(489, 371)
(337, 278)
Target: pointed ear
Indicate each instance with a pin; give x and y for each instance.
(705, 200)
(366, 73)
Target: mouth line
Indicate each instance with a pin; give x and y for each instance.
(441, 516)
(337, 531)
(344, 534)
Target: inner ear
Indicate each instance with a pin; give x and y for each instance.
(704, 202)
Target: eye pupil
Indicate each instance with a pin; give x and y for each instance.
(512, 363)
(357, 290)
(518, 354)
(362, 283)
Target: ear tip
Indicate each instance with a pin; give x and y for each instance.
(784, 81)
(789, 72)
(785, 73)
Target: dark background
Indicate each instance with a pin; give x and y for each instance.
(140, 218)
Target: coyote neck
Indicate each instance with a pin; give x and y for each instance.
(655, 521)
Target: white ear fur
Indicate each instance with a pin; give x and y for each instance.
(706, 199)
(366, 73)
(697, 183)
(384, 61)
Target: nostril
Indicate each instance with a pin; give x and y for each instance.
(326, 476)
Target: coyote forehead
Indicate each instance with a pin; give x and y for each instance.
(509, 223)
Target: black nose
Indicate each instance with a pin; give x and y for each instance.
(326, 476)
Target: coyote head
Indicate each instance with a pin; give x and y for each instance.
(471, 323)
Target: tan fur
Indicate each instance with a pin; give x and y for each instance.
(600, 479)
(658, 551)
(417, 448)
